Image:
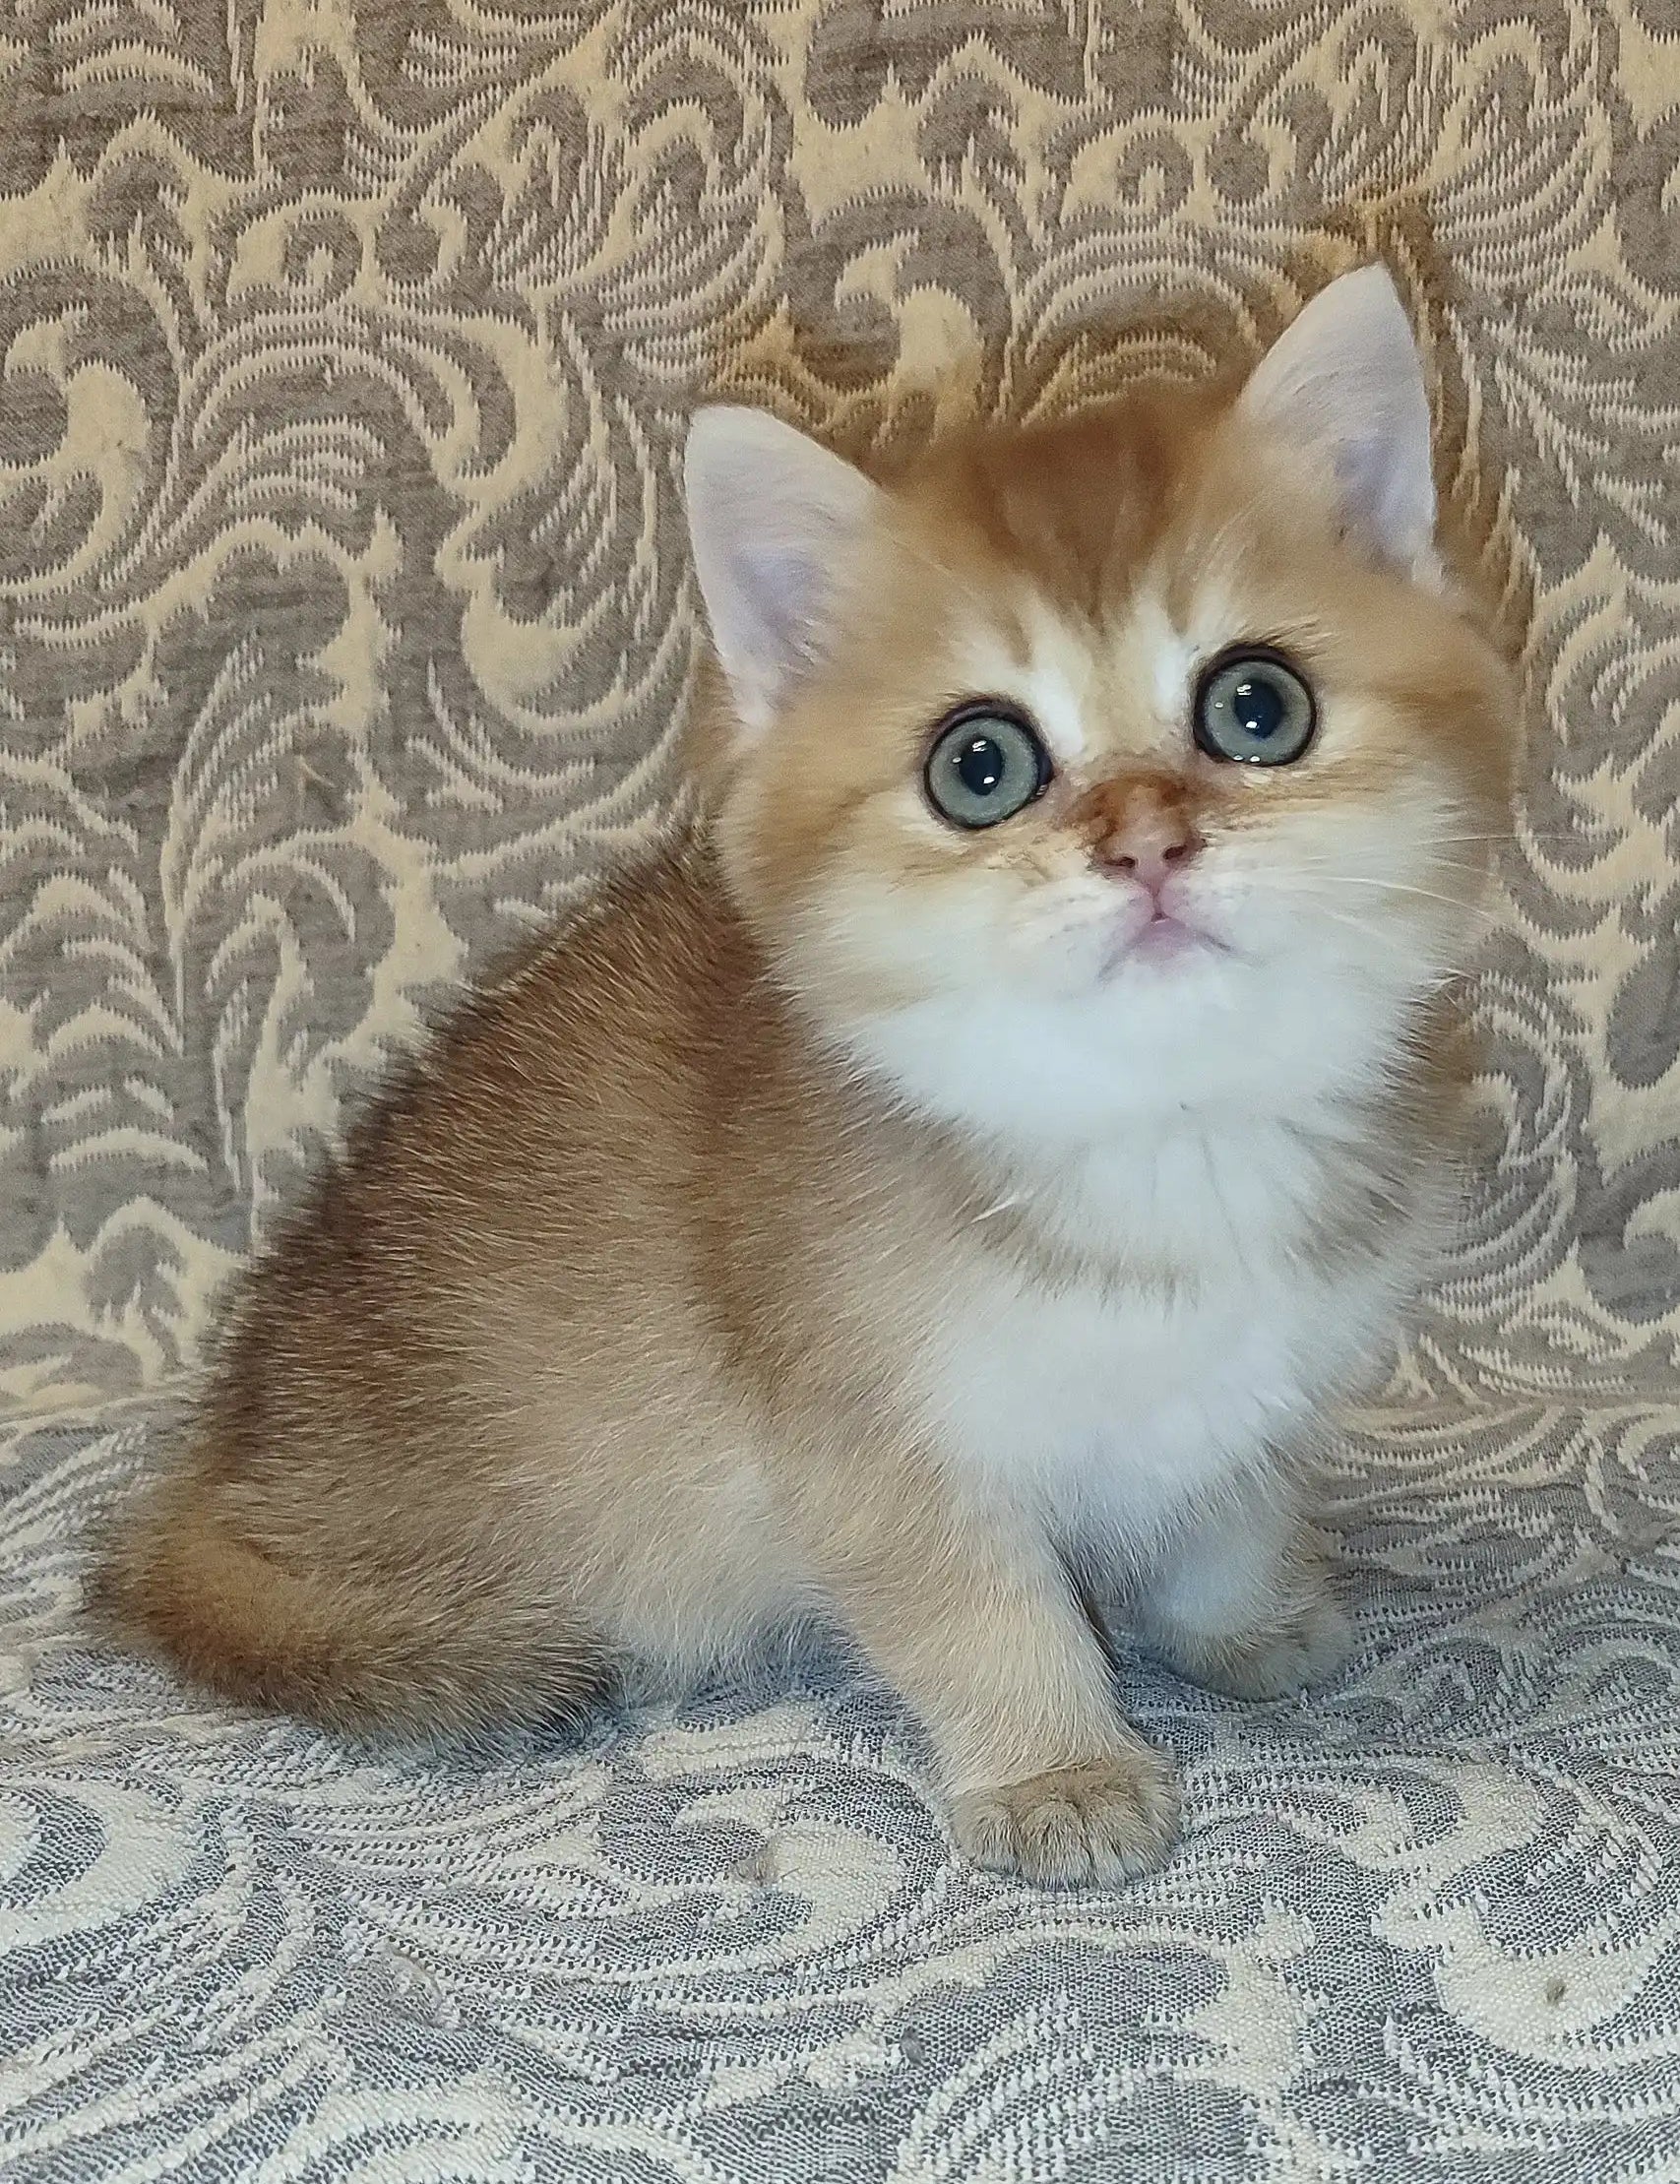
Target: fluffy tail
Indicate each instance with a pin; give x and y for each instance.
(360, 1651)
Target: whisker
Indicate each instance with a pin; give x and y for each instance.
(1311, 863)
(1362, 926)
(1389, 887)
(1446, 865)
(1518, 834)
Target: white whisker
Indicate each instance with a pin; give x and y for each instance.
(1389, 887)
(1362, 926)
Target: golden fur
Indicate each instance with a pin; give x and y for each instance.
(613, 1341)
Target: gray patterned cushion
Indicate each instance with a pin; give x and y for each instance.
(344, 617)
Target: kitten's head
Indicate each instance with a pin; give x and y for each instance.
(1135, 761)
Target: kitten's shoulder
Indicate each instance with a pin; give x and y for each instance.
(596, 1020)
(657, 931)
(656, 961)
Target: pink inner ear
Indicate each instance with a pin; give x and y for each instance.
(1374, 494)
(784, 589)
(1344, 385)
(774, 518)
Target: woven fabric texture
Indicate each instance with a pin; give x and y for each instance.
(345, 348)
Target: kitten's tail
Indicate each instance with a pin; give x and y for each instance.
(360, 1651)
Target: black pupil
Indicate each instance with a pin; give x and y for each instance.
(1258, 707)
(980, 765)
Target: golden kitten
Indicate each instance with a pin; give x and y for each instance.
(943, 1194)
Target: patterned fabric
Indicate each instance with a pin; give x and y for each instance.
(344, 350)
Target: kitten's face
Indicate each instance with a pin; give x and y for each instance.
(1121, 762)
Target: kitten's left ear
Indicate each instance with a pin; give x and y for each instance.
(776, 524)
(1343, 384)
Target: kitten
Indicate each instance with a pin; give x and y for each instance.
(945, 1193)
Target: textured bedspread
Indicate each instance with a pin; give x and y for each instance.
(344, 350)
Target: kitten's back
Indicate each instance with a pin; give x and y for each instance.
(342, 1538)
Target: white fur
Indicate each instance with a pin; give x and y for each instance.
(1122, 1405)
(1051, 683)
(1120, 1420)
(1056, 684)
(1184, 1132)
(1172, 655)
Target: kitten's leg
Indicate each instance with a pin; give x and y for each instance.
(982, 1632)
(1242, 1601)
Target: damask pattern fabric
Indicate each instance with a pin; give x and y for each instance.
(346, 348)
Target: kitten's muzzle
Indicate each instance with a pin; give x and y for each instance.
(1140, 826)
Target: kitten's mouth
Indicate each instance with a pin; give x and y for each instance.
(1162, 938)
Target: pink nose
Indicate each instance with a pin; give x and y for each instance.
(1139, 826)
(1151, 863)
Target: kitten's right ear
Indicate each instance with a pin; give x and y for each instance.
(1343, 385)
(776, 524)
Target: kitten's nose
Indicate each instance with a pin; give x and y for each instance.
(1141, 829)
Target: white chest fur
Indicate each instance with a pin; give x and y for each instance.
(1199, 1245)
(1204, 1334)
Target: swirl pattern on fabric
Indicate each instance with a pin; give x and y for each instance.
(344, 622)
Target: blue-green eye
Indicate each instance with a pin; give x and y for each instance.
(987, 762)
(1253, 707)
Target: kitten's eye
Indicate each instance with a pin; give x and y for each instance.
(1254, 707)
(985, 765)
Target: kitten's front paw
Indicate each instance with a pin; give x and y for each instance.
(1106, 1820)
(1278, 1662)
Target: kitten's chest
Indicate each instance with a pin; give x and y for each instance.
(1201, 1334)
